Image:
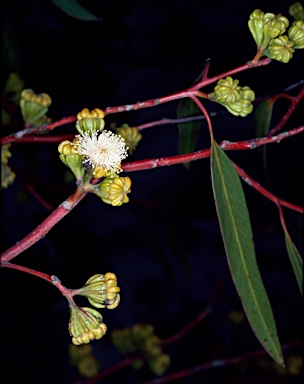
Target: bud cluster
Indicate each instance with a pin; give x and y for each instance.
(235, 98)
(114, 190)
(85, 325)
(141, 341)
(130, 135)
(7, 175)
(34, 107)
(268, 32)
(101, 291)
(82, 357)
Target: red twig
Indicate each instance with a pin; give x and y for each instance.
(218, 363)
(188, 92)
(294, 102)
(108, 371)
(46, 138)
(18, 136)
(42, 229)
(264, 191)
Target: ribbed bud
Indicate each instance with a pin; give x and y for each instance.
(240, 108)
(89, 121)
(274, 26)
(130, 135)
(114, 190)
(102, 291)
(85, 325)
(34, 107)
(296, 11)
(256, 24)
(280, 49)
(296, 34)
(226, 91)
(159, 364)
(69, 156)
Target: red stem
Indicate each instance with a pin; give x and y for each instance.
(217, 363)
(294, 102)
(42, 229)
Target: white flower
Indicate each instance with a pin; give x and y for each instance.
(103, 150)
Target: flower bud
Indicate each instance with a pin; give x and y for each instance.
(89, 121)
(296, 11)
(159, 364)
(256, 24)
(102, 291)
(296, 34)
(280, 49)
(240, 108)
(226, 91)
(114, 190)
(69, 156)
(85, 325)
(130, 135)
(88, 366)
(274, 26)
(34, 107)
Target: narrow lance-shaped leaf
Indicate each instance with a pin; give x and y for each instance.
(237, 236)
(295, 259)
(188, 132)
(76, 10)
(262, 119)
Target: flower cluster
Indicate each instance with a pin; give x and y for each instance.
(267, 30)
(235, 98)
(103, 152)
(141, 338)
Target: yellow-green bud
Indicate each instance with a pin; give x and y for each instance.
(226, 91)
(256, 24)
(296, 11)
(280, 49)
(296, 34)
(7, 176)
(85, 325)
(130, 135)
(89, 121)
(114, 190)
(69, 156)
(102, 291)
(122, 340)
(240, 108)
(5, 153)
(77, 352)
(152, 346)
(274, 26)
(34, 107)
(159, 364)
(88, 366)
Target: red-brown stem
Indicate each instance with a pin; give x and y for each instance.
(108, 371)
(18, 136)
(264, 192)
(294, 102)
(68, 293)
(42, 229)
(46, 138)
(218, 363)
(185, 93)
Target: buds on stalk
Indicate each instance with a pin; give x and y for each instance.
(102, 291)
(69, 156)
(85, 325)
(130, 135)
(34, 107)
(114, 190)
(235, 98)
(89, 121)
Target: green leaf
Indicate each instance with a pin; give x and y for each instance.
(262, 117)
(74, 9)
(188, 132)
(237, 236)
(295, 259)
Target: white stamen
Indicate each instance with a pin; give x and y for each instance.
(105, 150)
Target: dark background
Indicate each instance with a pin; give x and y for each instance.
(165, 245)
